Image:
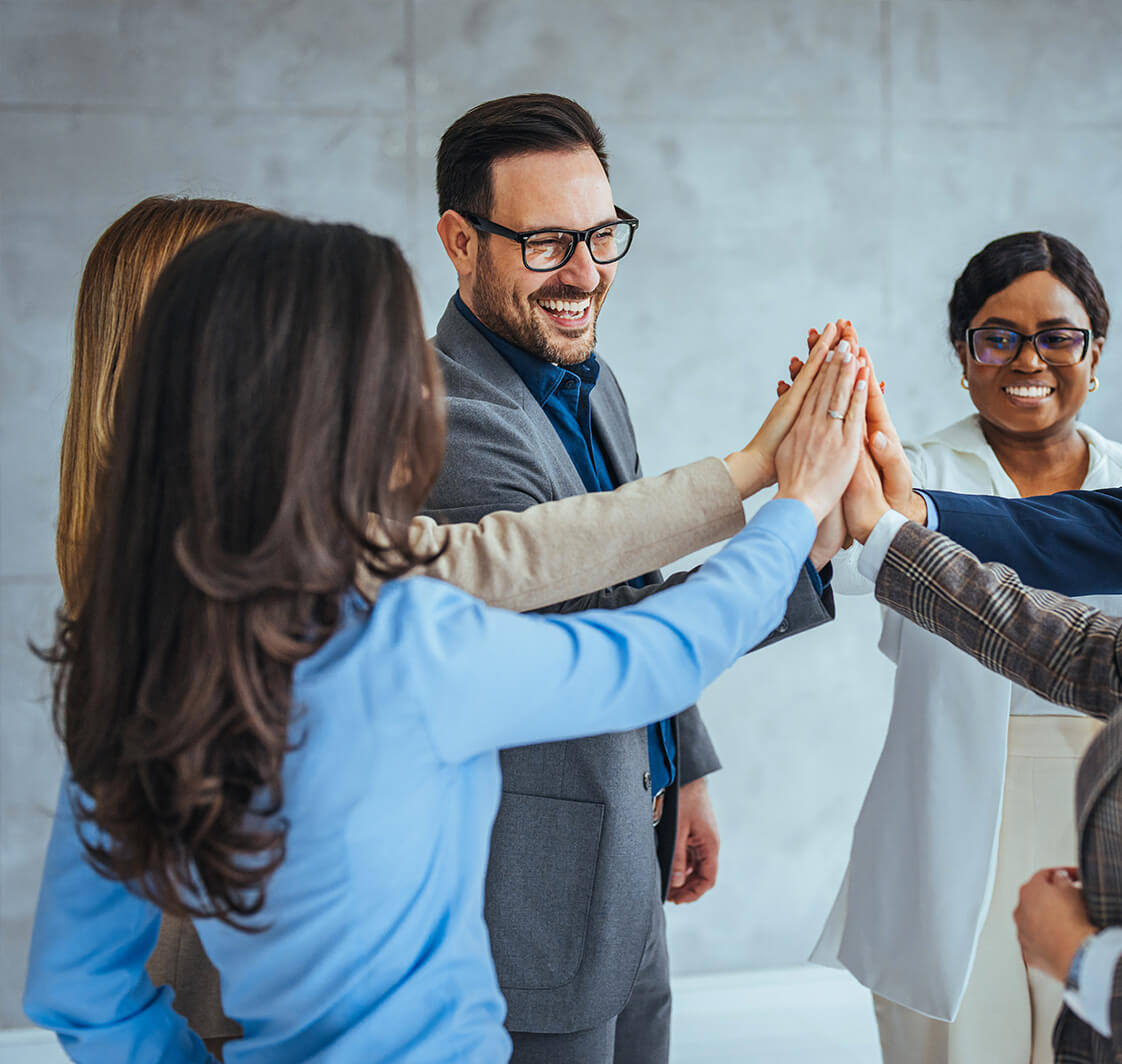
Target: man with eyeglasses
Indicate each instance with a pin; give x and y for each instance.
(576, 876)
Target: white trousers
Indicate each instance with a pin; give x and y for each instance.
(1008, 1011)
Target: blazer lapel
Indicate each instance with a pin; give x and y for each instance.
(461, 342)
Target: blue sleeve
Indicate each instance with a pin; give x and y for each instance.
(86, 979)
(932, 509)
(523, 679)
(1069, 542)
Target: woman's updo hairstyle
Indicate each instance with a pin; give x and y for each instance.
(1002, 261)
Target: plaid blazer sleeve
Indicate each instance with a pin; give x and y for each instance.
(1065, 651)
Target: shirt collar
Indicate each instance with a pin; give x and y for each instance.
(540, 377)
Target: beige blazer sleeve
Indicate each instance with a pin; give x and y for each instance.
(559, 550)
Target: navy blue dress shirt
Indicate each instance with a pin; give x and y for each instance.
(565, 394)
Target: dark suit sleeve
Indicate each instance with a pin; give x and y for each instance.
(1070, 542)
(1064, 650)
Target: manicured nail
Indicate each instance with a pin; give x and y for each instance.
(843, 347)
(829, 354)
(846, 358)
(882, 387)
(861, 385)
(879, 441)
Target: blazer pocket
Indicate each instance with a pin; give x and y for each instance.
(544, 853)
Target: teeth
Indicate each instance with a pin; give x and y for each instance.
(1025, 391)
(573, 308)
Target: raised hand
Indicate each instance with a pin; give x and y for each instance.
(888, 452)
(753, 467)
(832, 533)
(863, 503)
(816, 460)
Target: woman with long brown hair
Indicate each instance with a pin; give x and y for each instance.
(241, 726)
(519, 561)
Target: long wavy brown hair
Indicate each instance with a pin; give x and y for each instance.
(280, 388)
(119, 276)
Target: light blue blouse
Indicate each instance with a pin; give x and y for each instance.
(374, 947)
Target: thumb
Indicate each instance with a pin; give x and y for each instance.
(892, 464)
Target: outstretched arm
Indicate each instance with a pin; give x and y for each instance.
(1065, 651)
(568, 547)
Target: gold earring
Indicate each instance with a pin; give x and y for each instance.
(966, 383)
(1094, 385)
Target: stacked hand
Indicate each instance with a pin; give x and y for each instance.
(814, 434)
(882, 478)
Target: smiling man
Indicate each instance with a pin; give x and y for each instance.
(577, 876)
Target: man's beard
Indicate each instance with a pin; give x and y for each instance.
(513, 317)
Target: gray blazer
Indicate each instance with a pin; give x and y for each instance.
(569, 898)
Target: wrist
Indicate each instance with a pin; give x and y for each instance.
(863, 531)
(820, 557)
(818, 509)
(914, 508)
(750, 471)
(1072, 947)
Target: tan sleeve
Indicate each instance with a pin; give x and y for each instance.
(559, 550)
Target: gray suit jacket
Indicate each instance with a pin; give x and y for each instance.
(570, 887)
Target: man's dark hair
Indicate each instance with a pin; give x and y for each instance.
(499, 129)
(1002, 261)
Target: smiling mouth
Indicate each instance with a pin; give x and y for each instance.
(568, 313)
(1028, 391)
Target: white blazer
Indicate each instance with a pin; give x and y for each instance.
(911, 906)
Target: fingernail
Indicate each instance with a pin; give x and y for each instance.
(882, 387)
(829, 354)
(879, 441)
(847, 358)
(843, 347)
(861, 385)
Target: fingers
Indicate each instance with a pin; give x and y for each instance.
(808, 371)
(701, 878)
(836, 385)
(678, 865)
(854, 425)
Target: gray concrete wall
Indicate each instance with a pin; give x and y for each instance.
(791, 161)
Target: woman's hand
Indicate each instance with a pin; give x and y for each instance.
(816, 460)
(863, 503)
(1051, 919)
(753, 467)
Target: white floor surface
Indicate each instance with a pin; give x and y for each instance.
(790, 1016)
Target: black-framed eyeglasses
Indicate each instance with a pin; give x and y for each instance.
(544, 250)
(993, 346)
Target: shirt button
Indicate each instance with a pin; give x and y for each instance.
(646, 781)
